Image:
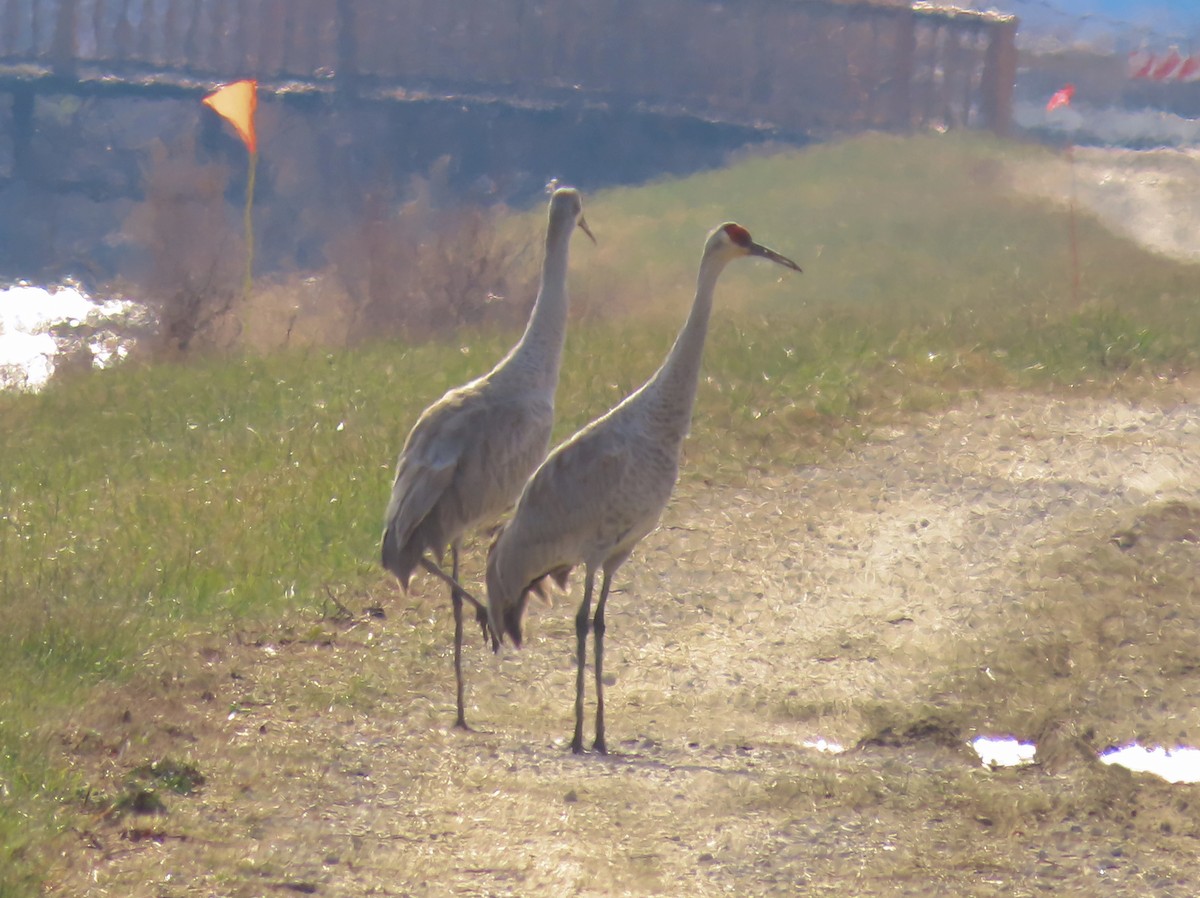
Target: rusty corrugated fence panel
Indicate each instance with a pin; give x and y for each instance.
(798, 65)
(999, 76)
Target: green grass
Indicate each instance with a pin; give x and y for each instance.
(147, 503)
(901, 228)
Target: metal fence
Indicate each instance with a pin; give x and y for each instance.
(799, 65)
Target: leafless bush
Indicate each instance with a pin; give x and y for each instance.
(192, 249)
(431, 264)
(294, 310)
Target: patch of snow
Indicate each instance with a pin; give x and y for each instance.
(1175, 765)
(28, 349)
(1004, 751)
(824, 745)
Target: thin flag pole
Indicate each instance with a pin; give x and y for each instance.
(237, 104)
(1060, 99)
(248, 224)
(1073, 235)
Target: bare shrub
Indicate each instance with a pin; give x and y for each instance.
(192, 249)
(294, 310)
(431, 264)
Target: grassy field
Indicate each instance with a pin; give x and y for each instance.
(143, 505)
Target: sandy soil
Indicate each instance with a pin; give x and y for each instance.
(1150, 196)
(1019, 564)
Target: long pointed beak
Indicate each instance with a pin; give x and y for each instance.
(757, 249)
(584, 226)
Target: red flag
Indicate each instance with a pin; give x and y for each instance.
(1167, 68)
(1141, 63)
(1061, 98)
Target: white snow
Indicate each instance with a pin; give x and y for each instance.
(27, 348)
(1175, 765)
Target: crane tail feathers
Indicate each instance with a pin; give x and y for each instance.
(512, 622)
(559, 575)
(515, 613)
(402, 558)
(507, 616)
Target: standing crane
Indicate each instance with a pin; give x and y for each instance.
(596, 495)
(469, 453)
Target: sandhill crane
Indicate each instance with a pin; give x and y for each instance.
(469, 453)
(596, 495)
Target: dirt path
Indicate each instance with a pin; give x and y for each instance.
(1149, 196)
(1023, 564)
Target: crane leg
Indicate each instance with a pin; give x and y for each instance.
(581, 631)
(456, 600)
(598, 635)
(481, 614)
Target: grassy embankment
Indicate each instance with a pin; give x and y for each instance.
(144, 504)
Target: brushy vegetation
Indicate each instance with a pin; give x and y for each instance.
(191, 252)
(146, 503)
(413, 262)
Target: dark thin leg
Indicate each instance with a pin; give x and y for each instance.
(457, 601)
(598, 635)
(432, 567)
(581, 630)
(481, 615)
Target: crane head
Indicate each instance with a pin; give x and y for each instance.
(732, 239)
(566, 205)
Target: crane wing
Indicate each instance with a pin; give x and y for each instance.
(562, 517)
(569, 498)
(423, 474)
(465, 461)
(425, 470)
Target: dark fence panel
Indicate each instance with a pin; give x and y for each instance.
(794, 64)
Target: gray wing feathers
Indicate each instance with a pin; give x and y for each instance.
(567, 508)
(589, 503)
(574, 488)
(595, 492)
(420, 483)
(464, 463)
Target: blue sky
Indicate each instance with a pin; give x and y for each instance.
(1180, 16)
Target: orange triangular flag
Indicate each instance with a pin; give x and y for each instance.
(236, 102)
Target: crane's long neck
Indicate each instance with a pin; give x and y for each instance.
(534, 362)
(671, 393)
